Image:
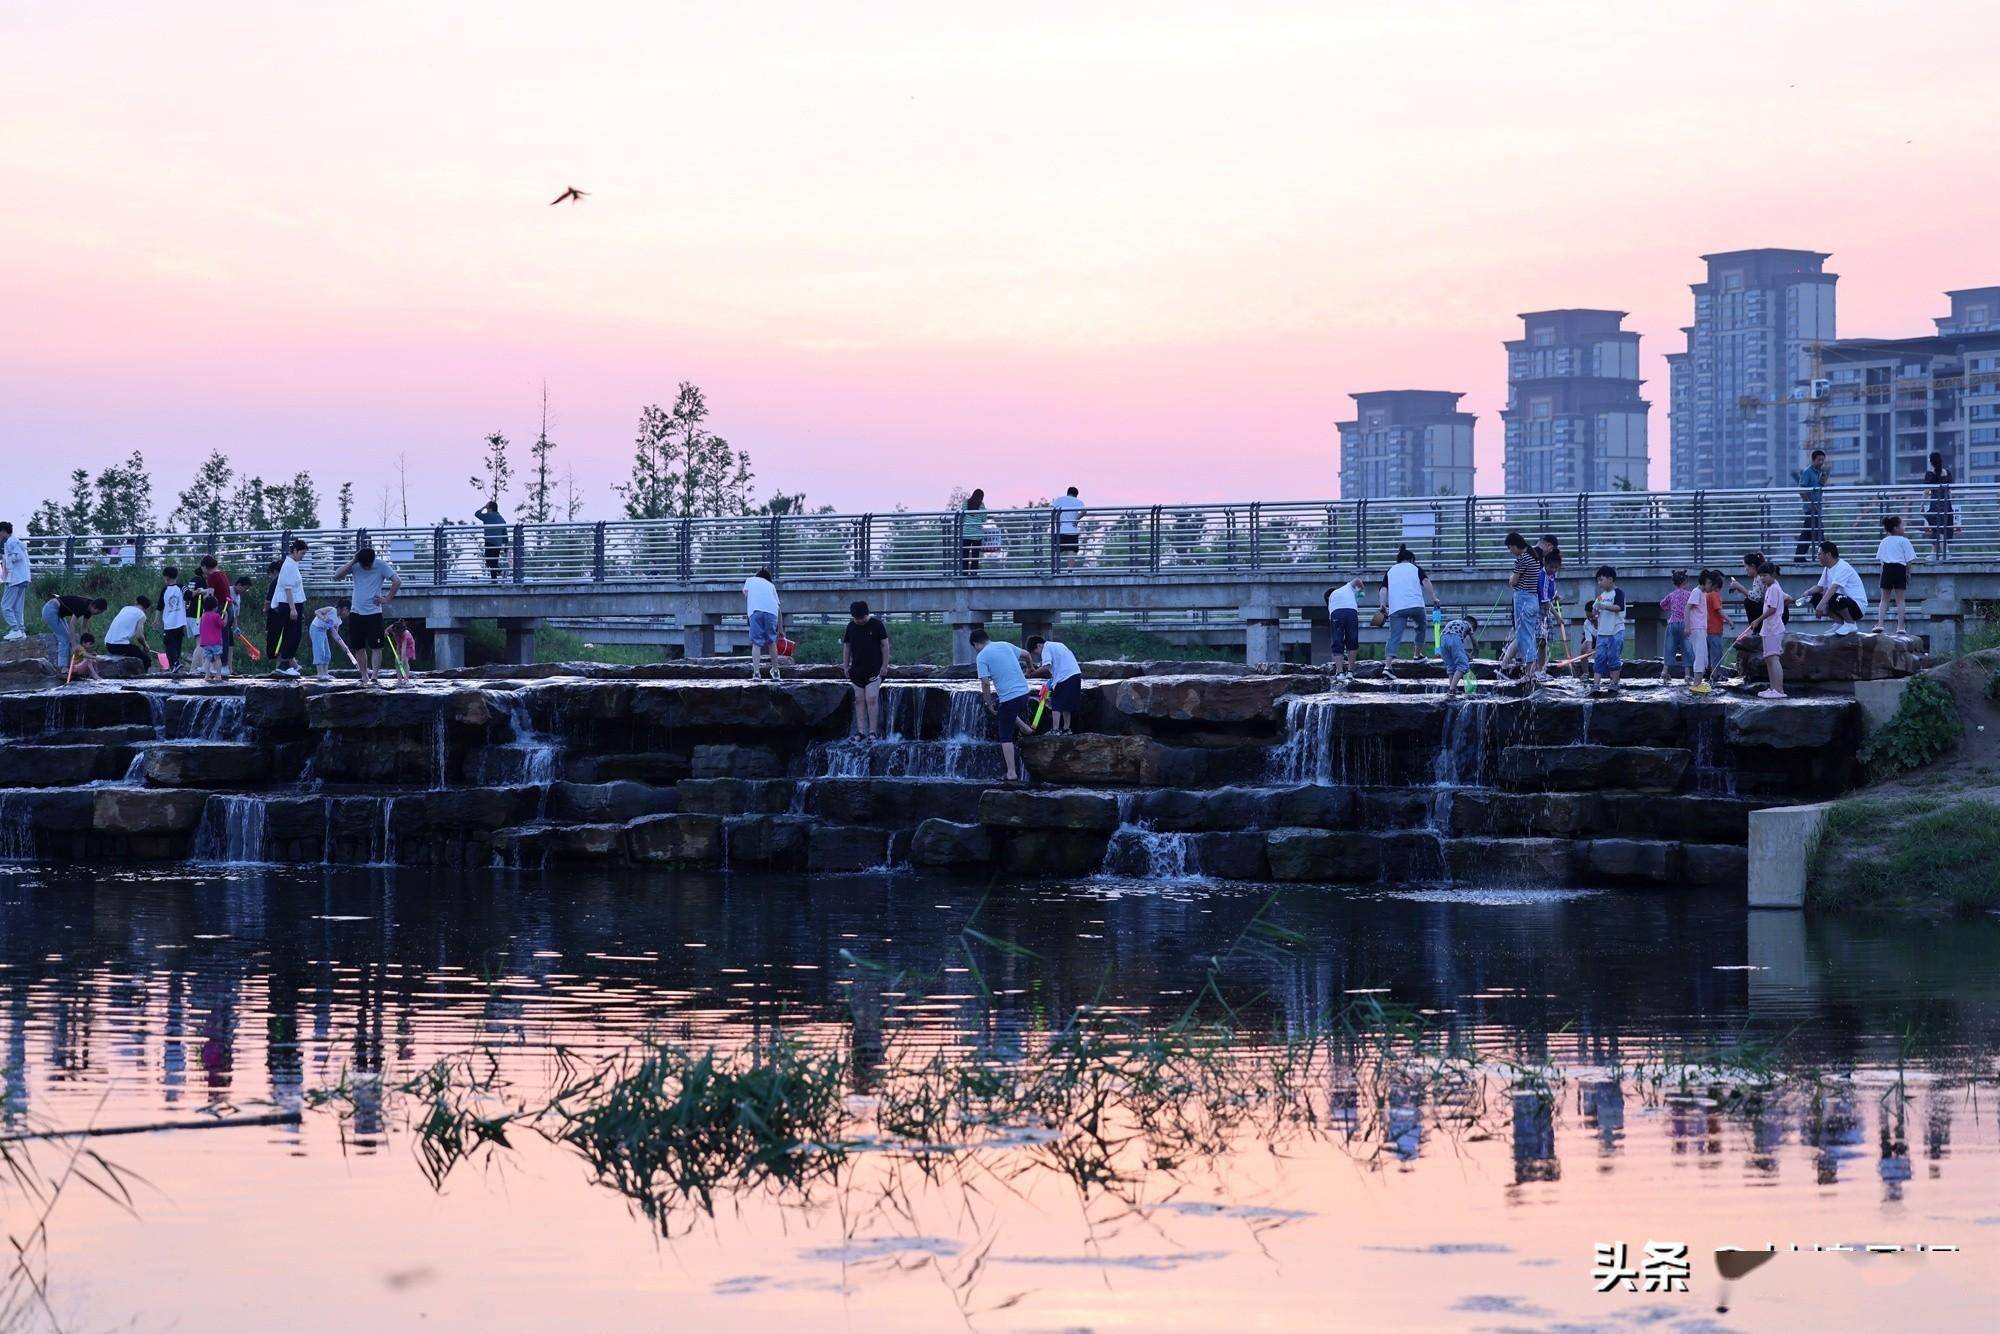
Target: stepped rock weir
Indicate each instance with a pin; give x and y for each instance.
(1177, 770)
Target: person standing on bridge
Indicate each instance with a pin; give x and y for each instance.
(1939, 520)
(16, 573)
(864, 657)
(1003, 687)
(971, 532)
(376, 584)
(1405, 591)
(1068, 512)
(760, 599)
(496, 537)
(1812, 494)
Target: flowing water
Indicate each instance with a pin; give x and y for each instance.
(1846, 1098)
(209, 718)
(963, 749)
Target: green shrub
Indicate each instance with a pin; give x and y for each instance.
(1993, 686)
(1925, 727)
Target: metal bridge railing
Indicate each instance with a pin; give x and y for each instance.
(1447, 533)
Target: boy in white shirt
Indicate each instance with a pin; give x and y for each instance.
(173, 616)
(760, 600)
(1607, 617)
(1897, 556)
(1343, 609)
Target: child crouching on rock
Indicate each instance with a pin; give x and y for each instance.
(1455, 641)
(82, 662)
(403, 646)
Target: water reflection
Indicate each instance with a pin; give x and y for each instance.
(1553, 1032)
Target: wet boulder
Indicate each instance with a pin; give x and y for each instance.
(1856, 657)
(275, 710)
(373, 710)
(206, 764)
(896, 802)
(584, 843)
(1795, 724)
(138, 810)
(658, 768)
(405, 758)
(1048, 851)
(1650, 721)
(951, 843)
(767, 842)
(676, 840)
(1206, 699)
(1095, 759)
(1624, 860)
(1316, 806)
(1716, 865)
(726, 760)
(34, 713)
(1584, 768)
(1229, 855)
(33, 765)
(1488, 814)
(598, 803)
(1531, 863)
(734, 796)
(789, 707)
(1017, 808)
(1301, 854)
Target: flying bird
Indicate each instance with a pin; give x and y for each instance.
(570, 194)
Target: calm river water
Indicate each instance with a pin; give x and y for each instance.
(1464, 1183)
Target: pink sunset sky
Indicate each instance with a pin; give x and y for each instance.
(1146, 249)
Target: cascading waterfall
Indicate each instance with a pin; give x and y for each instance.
(962, 752)
(531, 758)
(1315, 751)
(1460, 763)
(1139, 851)
(17, 827)
(1711, 777)
(231, 832)
(211, 717)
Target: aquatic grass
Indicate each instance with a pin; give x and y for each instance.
(664, 1126)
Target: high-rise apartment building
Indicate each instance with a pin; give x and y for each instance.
(1574, 418)
(1756, 318)
(1889, 403)
(1406, 442)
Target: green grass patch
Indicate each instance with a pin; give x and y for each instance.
(1927, 852)
(1925, 728)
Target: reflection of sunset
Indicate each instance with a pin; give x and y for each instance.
(1051, 244)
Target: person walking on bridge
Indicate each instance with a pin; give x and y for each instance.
(1067, 510)
(496, 537)
(760, 600)
(16, 573)
(1812, 495)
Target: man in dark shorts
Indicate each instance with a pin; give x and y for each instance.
(371, 599)
(864, 656)
(1004, 687)
(1065, 674)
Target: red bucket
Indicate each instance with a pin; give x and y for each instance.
(786, 648)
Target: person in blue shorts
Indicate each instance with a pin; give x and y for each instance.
(1003, 686)
(1607, 613)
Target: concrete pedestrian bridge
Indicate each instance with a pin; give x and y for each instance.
(1264, 563)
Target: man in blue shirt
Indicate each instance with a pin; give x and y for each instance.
(1812, 491)
(1003, 687)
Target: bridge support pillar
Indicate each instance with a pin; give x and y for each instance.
(963, 621)
(1649, 636)
(1262, 643)
(519, 633)
(698, 633)
(1944, 613)
(447, 635)
(1321, 628)
(1034, 623)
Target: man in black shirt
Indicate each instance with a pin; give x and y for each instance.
(67, 616)
(864, 656)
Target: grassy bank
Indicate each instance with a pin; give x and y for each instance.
(1937, 851)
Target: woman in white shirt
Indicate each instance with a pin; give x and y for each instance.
(1897, 555)
(1343, 609)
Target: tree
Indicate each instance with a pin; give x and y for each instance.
(82, 507)
(204, 507)
(345, 499)
(572, 502)
(539, 505)
(47, 520)
(247, 507)
(498, 471)
(124, 501)
(781, 504)
(292, 505)
(680, 468)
